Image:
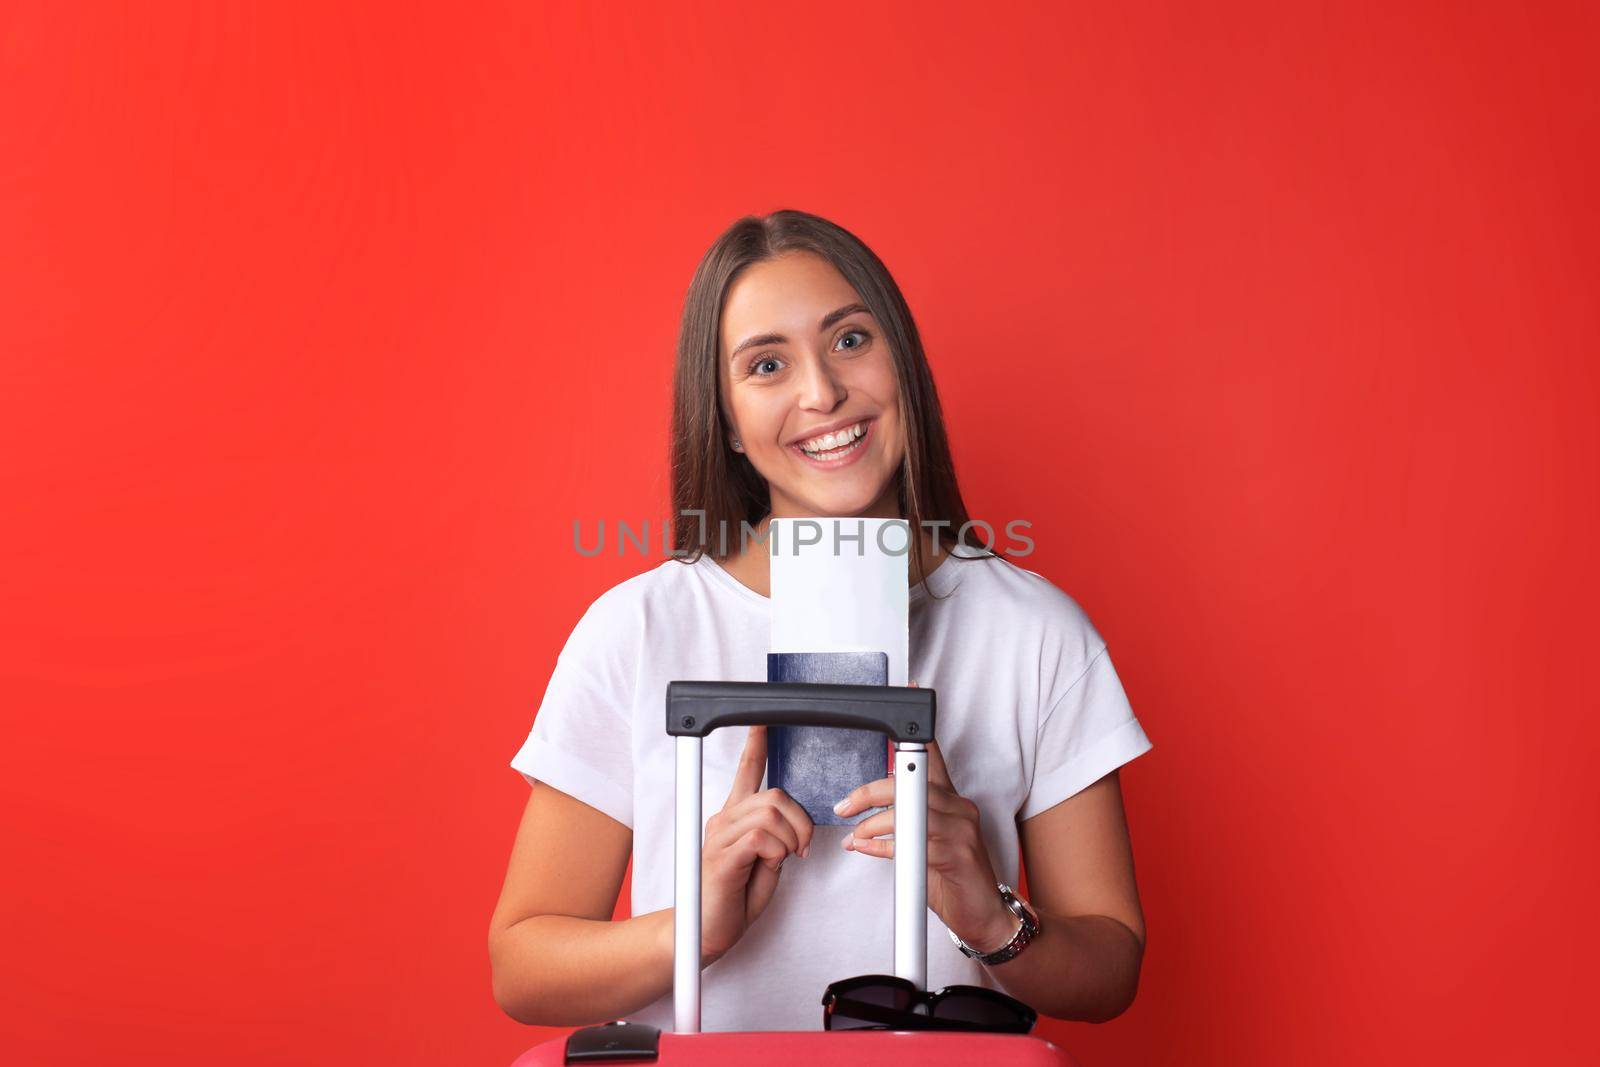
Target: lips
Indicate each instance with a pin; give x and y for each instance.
(832, 427)
(853, 452)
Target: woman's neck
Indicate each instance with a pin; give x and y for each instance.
(751, 562)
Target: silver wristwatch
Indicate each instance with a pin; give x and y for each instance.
(1026, 932)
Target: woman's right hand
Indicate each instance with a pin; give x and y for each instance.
(745, 845)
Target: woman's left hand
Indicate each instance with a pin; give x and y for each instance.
(961, 880)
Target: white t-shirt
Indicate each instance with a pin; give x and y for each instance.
(1030, 712)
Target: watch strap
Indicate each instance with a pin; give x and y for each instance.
(1027, 930)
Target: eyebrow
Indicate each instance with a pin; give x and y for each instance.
(778, 339)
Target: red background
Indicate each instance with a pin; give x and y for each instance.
(321, 324)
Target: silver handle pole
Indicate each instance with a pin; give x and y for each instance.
(686, 896)
(911, 863)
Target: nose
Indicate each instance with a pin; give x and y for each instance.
(820, 389)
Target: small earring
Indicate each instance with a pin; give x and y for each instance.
(736, 446)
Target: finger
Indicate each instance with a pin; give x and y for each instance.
(941, 825)
(880, 793)
(758, 891)
(752, 765)
(761, 816)
(883, 848)
(941, 853)
(938, 773)
(791, 810)
(756, 844)
(778, 810)
(873, 826)
(871, 794)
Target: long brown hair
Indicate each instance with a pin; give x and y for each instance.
(709, 476)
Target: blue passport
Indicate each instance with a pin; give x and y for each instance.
(817, 765)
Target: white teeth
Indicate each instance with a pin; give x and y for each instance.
(838, 439)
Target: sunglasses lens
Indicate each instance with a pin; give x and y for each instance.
(849, 1002)
(985, 1013)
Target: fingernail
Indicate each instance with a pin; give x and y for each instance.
(849, 844)
(838, 809)
(804, 851)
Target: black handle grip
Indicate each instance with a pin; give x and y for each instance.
(905, 713)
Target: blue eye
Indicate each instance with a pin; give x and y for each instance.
(759, 361)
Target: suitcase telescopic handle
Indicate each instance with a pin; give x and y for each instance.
(694, 709)
(904, 713)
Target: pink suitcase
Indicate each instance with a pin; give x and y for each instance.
(906, 714)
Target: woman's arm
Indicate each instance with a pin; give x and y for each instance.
(1085, 962)
(557, 957)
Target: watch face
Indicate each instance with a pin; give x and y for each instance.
(1015, 902)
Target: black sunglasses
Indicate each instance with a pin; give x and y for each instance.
(885, 1002)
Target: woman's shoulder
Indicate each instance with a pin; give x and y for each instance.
(1015, 602)
(627, 603)
(638, 613)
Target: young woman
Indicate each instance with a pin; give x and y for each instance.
(802, 390)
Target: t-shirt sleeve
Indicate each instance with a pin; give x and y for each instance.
(1086, 734)
(581, 740)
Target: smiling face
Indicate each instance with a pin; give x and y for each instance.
(801, 356)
